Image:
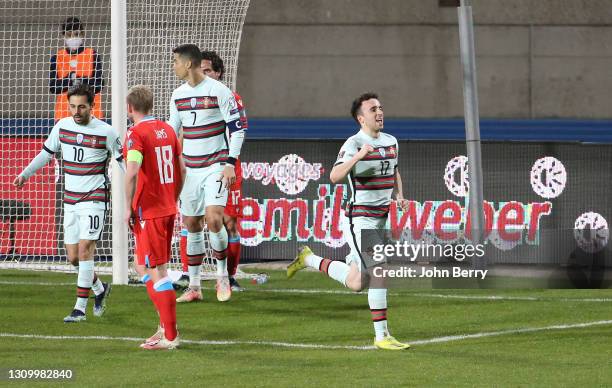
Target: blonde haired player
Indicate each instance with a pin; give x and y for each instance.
(153, 181)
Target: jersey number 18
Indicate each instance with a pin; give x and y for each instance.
(164, 164)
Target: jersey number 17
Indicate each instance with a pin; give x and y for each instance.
(164, 164)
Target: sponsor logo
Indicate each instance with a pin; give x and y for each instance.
(283, 219)
(548, 177)
(507, 224)
(456, 176)
(591, 232)
(291, 173)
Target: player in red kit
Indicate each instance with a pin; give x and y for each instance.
(154, 179)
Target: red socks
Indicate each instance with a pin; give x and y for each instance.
(233, 255)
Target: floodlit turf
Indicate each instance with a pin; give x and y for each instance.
(272, 313)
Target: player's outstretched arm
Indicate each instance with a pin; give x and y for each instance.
(340, 171)
(43, 157)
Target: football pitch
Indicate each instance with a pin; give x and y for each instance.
(308, 331)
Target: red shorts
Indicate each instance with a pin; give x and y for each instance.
(233, 208)
(153, 240)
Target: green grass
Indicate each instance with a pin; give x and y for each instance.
(569, 357)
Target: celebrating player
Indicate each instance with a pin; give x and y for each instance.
(369, 159)
(205, 109)
(85, 143)
(154, 178)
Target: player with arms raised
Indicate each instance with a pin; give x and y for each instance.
(205, 109)
(154, 179)
(86, 144)
(369, 160)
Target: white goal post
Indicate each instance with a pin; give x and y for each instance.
(133, 41)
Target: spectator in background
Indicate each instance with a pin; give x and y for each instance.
(72, 65)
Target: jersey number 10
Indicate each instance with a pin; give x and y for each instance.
(164, 164)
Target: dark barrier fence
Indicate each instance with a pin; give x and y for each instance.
(550, 188)
(550, 191)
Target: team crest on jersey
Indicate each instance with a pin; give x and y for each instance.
(79, 138)
(191, 103)
(93, 141)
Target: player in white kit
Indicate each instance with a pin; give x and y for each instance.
(200, 112)
(369, 160)
(86, 144)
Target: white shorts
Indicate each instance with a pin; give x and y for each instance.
(203, 189)
(83, 224)
(351, 230)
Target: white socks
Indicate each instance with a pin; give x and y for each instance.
(377, 299)
(218, 242)
(195, 255)
(84, 283)
(97, 287)
(336, 270)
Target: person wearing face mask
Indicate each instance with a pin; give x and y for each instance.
(75, 64)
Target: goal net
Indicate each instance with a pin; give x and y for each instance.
(37, 69)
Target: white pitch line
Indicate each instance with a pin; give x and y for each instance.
(427, 295)
(346, 292)
(511, 331)
(196, 342)
(321, 346)
(12, 283)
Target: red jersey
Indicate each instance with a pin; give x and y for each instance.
(159, 175)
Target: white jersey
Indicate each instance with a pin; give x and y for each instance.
(203, 112)
(372, 178)
(85, 153)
